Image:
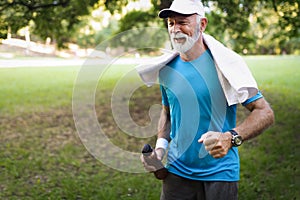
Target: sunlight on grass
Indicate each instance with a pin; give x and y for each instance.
(42, 156)
(35, 89)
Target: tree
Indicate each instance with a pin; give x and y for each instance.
(139, 23)
(54, 19)
(229, 20)
(236, 14)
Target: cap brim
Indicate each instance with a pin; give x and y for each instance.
(165, 13)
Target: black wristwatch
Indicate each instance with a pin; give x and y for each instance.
(236, 139)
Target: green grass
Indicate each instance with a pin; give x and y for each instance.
(35, 89)
(270, 163)
(41, 156)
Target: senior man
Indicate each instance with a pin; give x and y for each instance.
(200, 90)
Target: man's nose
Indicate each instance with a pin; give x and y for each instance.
(176, 28)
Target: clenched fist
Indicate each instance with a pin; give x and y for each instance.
(217, 144)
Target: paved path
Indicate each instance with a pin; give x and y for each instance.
(12, 63)
(59, 62)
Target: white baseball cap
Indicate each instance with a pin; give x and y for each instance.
(184, 7)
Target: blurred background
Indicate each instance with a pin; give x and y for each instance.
(71, 28)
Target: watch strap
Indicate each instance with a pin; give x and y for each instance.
(233, 132)
(235, 136)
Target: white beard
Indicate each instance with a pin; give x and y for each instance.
(187, 44)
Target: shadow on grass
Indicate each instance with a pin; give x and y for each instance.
(43, 157)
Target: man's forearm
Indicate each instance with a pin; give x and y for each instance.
(164, 124)
(260, 118)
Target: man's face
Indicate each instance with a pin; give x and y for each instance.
(184, 31)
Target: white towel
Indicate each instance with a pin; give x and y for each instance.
(149, 71)
(235, 77)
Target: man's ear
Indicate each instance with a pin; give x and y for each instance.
(204, 22)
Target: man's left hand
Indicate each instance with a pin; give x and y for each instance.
(153, 161)
(216, 144)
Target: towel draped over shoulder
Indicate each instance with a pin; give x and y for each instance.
(234, 75)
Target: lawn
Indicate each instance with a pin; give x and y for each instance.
(42, 156)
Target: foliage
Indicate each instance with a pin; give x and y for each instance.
(53, 19)
(229, 21)
(235, 18)
(86, 36)
(115, 6)
(3, 28)
(240, 24)
(138, 30)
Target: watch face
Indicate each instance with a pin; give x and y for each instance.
(238, 140)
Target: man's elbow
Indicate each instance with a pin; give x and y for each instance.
(270, 116)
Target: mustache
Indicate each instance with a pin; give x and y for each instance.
(178, 35)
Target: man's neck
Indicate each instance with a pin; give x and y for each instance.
(198, 49)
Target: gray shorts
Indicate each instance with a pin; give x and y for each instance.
(178, 188)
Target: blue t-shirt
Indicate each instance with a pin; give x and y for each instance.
(197, 105)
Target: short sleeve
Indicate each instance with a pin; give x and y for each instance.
(254, 98)
(164, 97)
